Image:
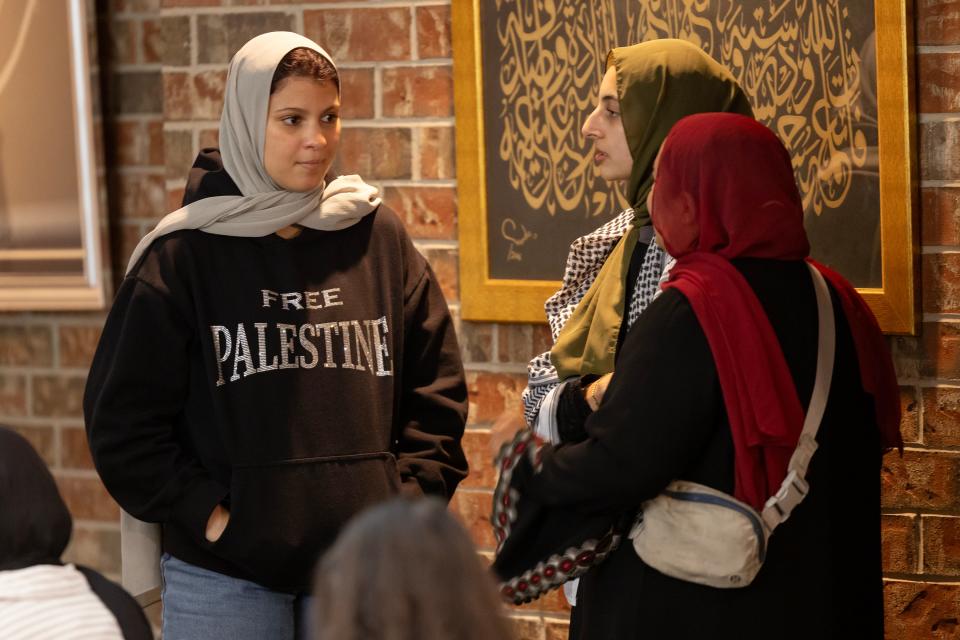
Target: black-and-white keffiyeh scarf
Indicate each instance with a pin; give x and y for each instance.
(586, 257)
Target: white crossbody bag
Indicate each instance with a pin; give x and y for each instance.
(695, 533)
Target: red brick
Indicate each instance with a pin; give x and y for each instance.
(221, 34)
(921, 480)
(558, 630)
(360, 34)
(476, 341)
(940, 216)
(132, 145)
(445, 266)
(941, 545)
(87, 499)
(209, 138)
(176, 40)
(491, 394)
(552, 604)
(356, 93)
(125, 237)
(142, 6)
(140, 196)
(155, 154)
(437, 154)
(515, 342)
(193, 96)
(938, 22)
(542, 338)
(472, 508)
(939, 355)
(95, 548)
(941, 417)
(910, 411)
(527, 628)
(178, 156)
(476, 445)
(418, 91)
(26, 346)
(906, 353)
(137, 92)
(375, 153)
(427, 212)
(13, 395)
(43, 440)
(939, 147)
(920, 611)
(433, 32)
(123, 41)
(169, 4)
(899, 535)
(939, 82)
(78, 344)
(58, 396)
(152, 38)
(941, 283)
(175, 198)
(75, 451)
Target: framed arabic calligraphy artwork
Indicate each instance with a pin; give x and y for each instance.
(833, 78)
(50, 223)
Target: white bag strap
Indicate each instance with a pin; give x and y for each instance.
(795, 487)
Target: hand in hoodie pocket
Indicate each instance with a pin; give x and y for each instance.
(277, 535)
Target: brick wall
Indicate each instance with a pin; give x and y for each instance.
(163, 65)
(921, 491)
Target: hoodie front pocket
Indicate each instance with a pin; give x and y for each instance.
(283, 515)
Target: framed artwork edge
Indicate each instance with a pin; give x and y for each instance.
(88, 292)
(895, 304)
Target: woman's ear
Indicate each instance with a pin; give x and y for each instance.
(686, 215)
(688, 211)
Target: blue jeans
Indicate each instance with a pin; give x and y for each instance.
(199, 604)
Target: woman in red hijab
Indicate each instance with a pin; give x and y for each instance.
(711, 386)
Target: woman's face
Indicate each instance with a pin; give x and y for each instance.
(604, 128)
(303, 132)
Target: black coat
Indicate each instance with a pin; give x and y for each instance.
(663, 418)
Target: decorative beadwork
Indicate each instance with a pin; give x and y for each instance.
(558, 569)
(505, 498)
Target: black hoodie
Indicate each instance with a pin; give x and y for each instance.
(294, 381)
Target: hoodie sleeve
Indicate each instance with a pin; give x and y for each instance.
(433, 406)
(135, 393)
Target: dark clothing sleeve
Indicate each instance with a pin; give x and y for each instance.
(665, 376)
(135, 393)
(133, 624)
(433, 401)
(572, 412)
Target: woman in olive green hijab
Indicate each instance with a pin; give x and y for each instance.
(613, 273)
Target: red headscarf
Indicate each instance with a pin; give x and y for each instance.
(725, 189)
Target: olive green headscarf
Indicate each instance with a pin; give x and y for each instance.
(658, 83)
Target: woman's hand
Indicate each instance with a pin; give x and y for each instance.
(593, 392)
(216, 523)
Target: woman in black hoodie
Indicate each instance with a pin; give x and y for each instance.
(278, 357)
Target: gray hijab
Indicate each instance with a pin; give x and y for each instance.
(263, 207)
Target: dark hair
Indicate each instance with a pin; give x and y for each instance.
(304, 63)
(406, 570)
(35, 525)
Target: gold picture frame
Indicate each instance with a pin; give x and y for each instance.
(895, 303)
